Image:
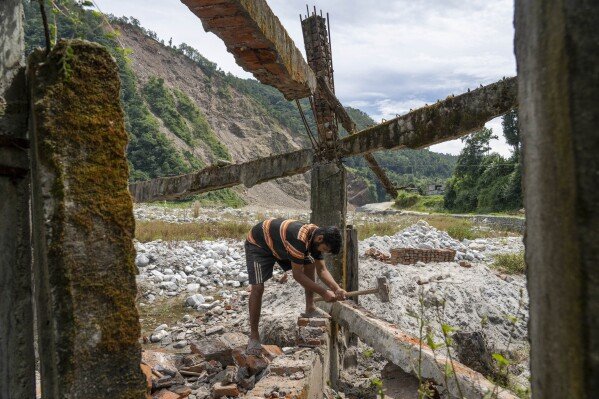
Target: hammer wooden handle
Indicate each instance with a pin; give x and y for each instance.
(353, 293)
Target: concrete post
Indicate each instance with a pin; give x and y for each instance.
(17, 360)
(328, 202)
(83, 227)
(557, 52)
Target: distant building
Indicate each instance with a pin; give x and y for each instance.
(435, 189)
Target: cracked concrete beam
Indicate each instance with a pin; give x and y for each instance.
(214, 178)
(404, 351)
(446, 120)
(259, 43)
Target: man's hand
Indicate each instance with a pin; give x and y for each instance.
(329, 296)
(341, 294)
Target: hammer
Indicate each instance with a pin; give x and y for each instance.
(382, 291)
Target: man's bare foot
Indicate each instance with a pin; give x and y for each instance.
(316, 313)
(254, 347)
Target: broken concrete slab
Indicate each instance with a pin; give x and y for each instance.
(259, 43)
(220, 348)
(405, 351)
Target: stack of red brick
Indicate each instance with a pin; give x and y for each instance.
(409, 256)
(312, 332)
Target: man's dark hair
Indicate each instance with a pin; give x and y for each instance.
(330, 236)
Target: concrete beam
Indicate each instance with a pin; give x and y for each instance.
(83, 227)
(446, 120)
(557, 53)
(420, 128)
(259, 43)
(214, 178)
(404, 351)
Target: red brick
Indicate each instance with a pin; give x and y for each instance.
(165, 394)
(220, 390)
(271, 351)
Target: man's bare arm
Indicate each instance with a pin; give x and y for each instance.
(300, 277)
(325, 276)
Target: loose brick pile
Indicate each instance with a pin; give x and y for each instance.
(409, 256)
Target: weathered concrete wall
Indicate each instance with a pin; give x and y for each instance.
(557, 52)
(259, 43)
(17, 361)
(214, 178)
(443, 121)
(404, 351)
(83, 228)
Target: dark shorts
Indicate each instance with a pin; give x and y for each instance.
(260, 263)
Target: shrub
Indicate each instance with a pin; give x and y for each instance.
(405, 199)
(510, 263)
(461, 230)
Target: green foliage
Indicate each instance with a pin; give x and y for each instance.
(368, 353)
(200, 127)
(510, 263)
(224, 196)
(484, 182)
(162, 103)
(407, 199)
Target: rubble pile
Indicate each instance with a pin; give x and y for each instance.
(179, 267)
(217, 367)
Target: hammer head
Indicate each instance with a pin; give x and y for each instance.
(383, 287)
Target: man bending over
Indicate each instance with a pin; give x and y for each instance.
(295, 246)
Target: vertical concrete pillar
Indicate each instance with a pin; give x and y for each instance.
(328, 202)
(83, 227)
(557, 52)
(17, 360)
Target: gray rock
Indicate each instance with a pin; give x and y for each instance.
(141, 260)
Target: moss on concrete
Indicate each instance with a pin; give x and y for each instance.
(90, 254)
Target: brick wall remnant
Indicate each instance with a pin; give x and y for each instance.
(409, 256)
(83, 227)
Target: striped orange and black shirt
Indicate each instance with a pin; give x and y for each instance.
(286, 239)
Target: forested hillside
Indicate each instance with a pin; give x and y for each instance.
(183, 113)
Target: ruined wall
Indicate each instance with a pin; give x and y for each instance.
(83, 227)
(17, 363)
(557, 53)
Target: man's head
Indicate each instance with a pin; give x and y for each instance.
(326, 240)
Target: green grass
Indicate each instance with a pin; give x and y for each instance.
(510, 263)
(150, 230)
(420, 203)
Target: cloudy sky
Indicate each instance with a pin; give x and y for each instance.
(388, 59)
